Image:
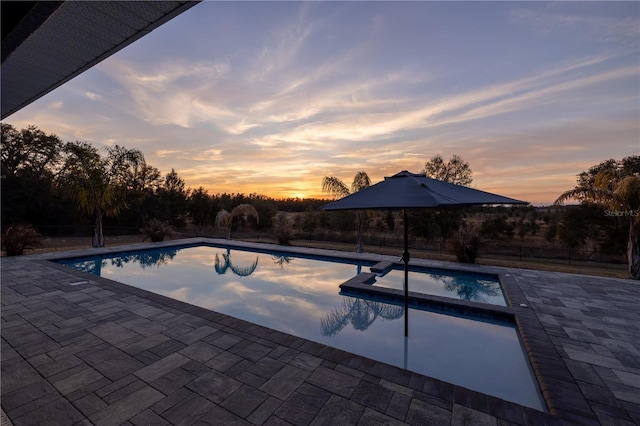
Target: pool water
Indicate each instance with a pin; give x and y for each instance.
(464, 286)
(300, 296)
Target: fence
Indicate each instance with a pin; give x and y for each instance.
(489, 248)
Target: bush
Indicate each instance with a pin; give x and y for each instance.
(467, 244)
(18, 238)
(497, 228)
(156, 230)
(282, 232)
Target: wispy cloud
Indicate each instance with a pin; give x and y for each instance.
(272, 101)
(621, 29)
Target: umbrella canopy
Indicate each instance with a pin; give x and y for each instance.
(413, 191)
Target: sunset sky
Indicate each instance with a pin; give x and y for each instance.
(269, 97)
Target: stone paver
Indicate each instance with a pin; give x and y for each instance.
(85, 350)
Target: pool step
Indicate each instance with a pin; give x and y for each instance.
(362, 278)
(364, 290)
(382, 267)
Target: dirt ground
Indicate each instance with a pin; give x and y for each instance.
(71, 243)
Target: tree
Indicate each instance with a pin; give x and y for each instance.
(497, 228)
(390, 220)
(224, 219)
(97, 184)
(266, 211)
(29, 151)
(577, 223)
(142, 183)
(456, 171)
(310, 222)
(335, 187)
(29, 158)
(200, 207)
(173, 199)
(615, 185)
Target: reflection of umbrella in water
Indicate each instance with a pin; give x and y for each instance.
(360, 313)
(405, 191)
(221, 267)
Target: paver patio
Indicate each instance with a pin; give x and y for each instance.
(80, 349)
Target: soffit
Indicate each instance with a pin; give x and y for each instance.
(53, 42)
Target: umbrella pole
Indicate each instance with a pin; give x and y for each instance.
(405, 257)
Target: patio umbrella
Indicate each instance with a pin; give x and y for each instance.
(405, 191)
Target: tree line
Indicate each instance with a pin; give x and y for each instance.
(54, 185)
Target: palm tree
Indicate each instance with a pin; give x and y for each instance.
(97, 184)
(335, 187)
(616, 188)
(224, 219)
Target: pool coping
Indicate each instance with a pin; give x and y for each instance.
(558, 387)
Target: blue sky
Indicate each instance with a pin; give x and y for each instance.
(269, 97)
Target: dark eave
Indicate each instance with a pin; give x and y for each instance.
(47, 43)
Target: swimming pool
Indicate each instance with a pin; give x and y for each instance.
(458, 285)
(300, 296)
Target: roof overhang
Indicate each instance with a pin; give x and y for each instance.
(47, 43)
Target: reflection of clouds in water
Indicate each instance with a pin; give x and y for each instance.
(295, 304)
(181, 293)
(307, 276)
(236, 287)
(457, 285)
(258, 310)
(303, 297)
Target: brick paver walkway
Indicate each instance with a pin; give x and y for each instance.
(79, 349)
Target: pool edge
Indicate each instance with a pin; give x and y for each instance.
(560, 391)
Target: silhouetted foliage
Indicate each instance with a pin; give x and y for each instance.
(282, 231)
(615, 186)
(156, 230)
(201, 207)
(173, 200)
(336, 188)
(467, 244)
(18, 238)
(456, 170)
(497, 228)
(97, 184)
(29, 158)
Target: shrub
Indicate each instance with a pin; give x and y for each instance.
(282, 232)
(497, 228)
(156, 230)
(18, 238)
(467, 244)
